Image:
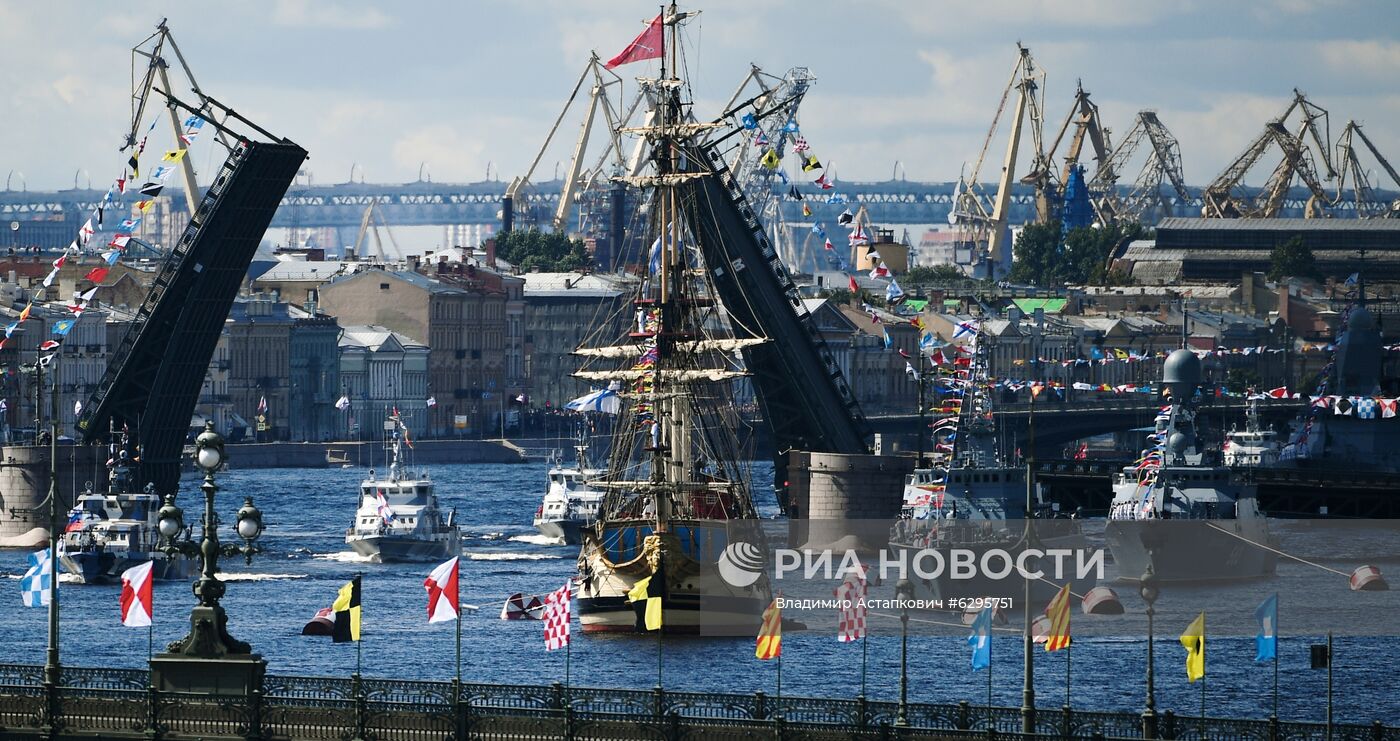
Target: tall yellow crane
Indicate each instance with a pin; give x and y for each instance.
(982, 221)
(1227, 197)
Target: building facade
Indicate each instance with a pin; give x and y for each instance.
(380, 371)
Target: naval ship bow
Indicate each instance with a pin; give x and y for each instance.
(676, 483)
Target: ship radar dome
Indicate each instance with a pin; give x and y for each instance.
(1183, 370)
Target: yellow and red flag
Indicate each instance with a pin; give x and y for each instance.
(1058, 612)
(770, 635)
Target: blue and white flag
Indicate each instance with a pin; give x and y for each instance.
(893, 292)
(981, 640)
(34, 586)
(605, 401)
(790, 127)
(819, 230)
(1266, 643)
(889, 341)
(749, 121)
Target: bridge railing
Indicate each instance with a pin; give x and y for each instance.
(118, 703)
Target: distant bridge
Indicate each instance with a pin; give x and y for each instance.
(427, 203)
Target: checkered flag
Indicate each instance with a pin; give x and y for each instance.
(852, 612)
(556, 617)
(34, 585)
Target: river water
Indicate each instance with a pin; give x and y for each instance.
(305, 561)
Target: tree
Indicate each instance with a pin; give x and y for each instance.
(1035, 255)
(934, 274)
(552, 252)
(1293, 259)
(1240, 380)
(1041, 260)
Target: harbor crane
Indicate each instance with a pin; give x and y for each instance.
(981, 220)
(1226, 197)
(373, 219)
(575, 178)
(779, 98)
(1363, 197)
(1163, 162)
(1084, 116)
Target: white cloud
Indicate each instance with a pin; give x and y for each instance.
(327, 14)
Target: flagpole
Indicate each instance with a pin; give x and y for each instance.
(780, 666)
(459, 645)
(1068, 651)
(568, 650)
(1276, 647)
(864, 653)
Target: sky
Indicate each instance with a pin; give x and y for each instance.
(449, 90)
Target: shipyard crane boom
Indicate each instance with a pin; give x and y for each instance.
(1163, 163)
(597, 97)
(373, 219)
(1225, 197)
(1367, 203)
(1084, 115)
(978, 223)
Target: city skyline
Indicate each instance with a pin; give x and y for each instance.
(439, 90)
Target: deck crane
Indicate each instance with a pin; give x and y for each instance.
(1163, 163)
(982, 221)
(518, 192)
(1367, 203)
(155, 77)
(1226, 196)
(1084, 115)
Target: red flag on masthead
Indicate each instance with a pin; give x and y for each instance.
(647, 45)
(442, 593)
(136, 598)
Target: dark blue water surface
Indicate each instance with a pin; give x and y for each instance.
(306, 561)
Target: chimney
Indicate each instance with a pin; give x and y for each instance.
(311, 301)
(413, 263)
(491, 253)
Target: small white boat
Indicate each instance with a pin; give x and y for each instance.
(570, 505)
(398, 518)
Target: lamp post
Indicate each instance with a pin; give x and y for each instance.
(1028, 541)
(904, 592)
(1147, 588)
(209, 637)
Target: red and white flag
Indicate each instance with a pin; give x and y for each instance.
(442, 593)
(853, 610)
(1279, 393)
(557, 616)
(262, 405)
(648, 45)
(136, 599)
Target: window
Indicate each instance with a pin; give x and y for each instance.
(383, 286)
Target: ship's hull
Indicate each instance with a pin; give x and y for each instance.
(568, 531)
(399, 548)
(106, 566)
(1191, 550)
(696, 599)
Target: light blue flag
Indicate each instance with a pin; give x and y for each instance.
(819, 229)
(749, 121)
(61, 328)
(790, 127)
(981, 640)
(889, 341)
(1096, 353)
(1266, 643)
(34, 585)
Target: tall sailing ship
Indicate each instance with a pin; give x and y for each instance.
(677, 488)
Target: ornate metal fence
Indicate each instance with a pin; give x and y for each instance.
(119, 703)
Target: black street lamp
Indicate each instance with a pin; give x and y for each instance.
(904, 592)
(208, 637)
(1147, 588)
